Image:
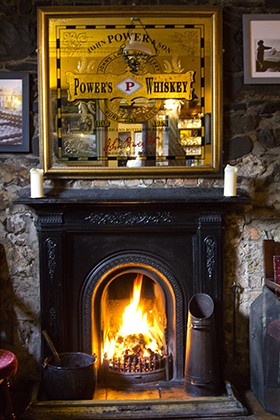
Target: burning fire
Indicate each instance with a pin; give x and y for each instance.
(139, 333)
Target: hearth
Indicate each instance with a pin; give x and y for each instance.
(103, 253)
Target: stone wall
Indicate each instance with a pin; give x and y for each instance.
(251, 141)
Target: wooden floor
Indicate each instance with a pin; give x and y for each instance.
(255, 409)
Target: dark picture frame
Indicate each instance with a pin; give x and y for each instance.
(261, 48)
(14, 112)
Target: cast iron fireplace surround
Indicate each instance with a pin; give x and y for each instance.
(85, 236)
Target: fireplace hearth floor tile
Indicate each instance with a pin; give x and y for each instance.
(149, 404)
(111, 394)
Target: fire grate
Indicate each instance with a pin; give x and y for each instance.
(135, 370)
(135, 364)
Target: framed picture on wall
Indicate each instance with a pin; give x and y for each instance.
(261, 48)
(14, 112)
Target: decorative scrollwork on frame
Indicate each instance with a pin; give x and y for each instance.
(213, 217)
(210, 250)
(50, 219)
(51, 253)
(129, 218)
(52, 321)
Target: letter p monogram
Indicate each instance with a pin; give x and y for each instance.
(129, 85)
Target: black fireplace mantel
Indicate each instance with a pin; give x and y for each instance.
(85, 234)
(79, 228)
(175, 195)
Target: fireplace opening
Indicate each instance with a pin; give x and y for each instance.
(135, 322)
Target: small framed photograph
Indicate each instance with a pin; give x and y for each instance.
(261, 48)
(14, 112)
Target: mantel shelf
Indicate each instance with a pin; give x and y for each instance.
(180, 195)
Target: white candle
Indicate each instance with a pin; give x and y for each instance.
(230, 181)
(36, 183)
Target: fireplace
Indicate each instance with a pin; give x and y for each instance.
(133, 324)
(99, 250)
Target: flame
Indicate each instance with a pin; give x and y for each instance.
(138, 332)
(134, 321)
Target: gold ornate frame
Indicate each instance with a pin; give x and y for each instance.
(130, 92)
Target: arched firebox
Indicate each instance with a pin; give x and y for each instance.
(108, 291)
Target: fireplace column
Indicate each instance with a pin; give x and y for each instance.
(51, 249)
(210, 270)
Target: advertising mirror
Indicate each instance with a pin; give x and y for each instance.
(130, 92)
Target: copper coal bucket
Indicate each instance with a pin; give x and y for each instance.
(202, 373)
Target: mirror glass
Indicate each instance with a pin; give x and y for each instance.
(130, 92)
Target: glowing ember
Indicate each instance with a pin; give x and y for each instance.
(139, 333)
